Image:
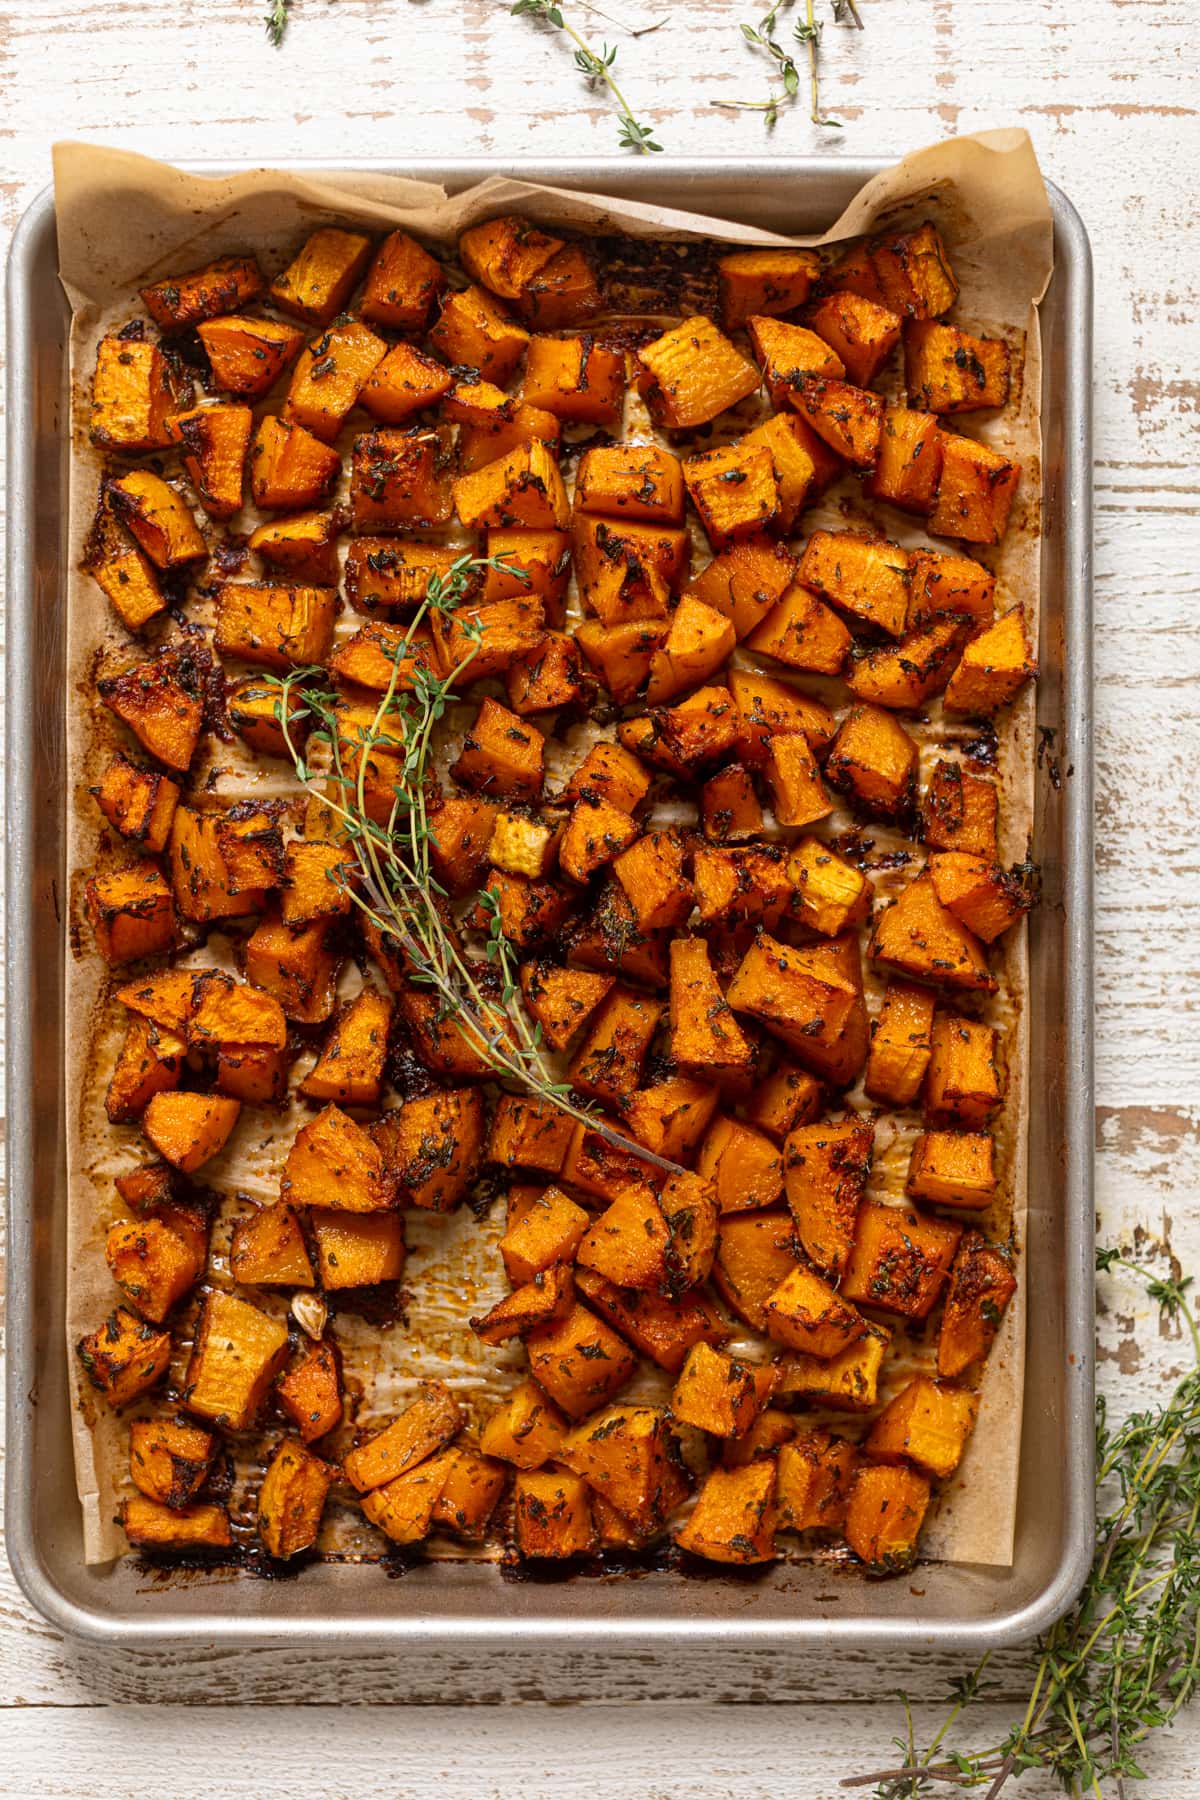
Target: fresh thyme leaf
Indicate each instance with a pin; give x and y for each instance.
(1125, 1660)
(595, 67)
(807, 33)
(276, 21)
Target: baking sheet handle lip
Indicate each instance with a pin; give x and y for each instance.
(20, 1372)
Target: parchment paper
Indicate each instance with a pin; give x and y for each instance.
(124, 220)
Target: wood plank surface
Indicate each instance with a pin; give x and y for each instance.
(1108, 90)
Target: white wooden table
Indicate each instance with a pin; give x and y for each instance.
(1108, 90)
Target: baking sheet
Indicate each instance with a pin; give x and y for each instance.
(124, 220)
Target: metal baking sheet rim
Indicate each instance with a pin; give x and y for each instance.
(973, 1610)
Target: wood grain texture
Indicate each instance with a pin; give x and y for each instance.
(1107, 88)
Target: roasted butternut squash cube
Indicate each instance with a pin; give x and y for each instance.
(771, 708)
(246, 355)
(188, 1130)
(290, 468)
(628, 1455)
(402, 284)
(706, 1039)
(651, 873)
(802, 632)
(794, 991)
(473, 331)
(349, 1070)
(953, 1168)
(689, 1205)
(401, 480)
(381, 573)
(982, 1283)
(734, 1518)
(401, 383)
(201, 1526)
(826, 1167)
(470, 1492)
(621, 655)
(317, 883)
(595, 834)
(735, 492)
(383, 656)
(806, 1314)
(683, 739)
(866, 577)
(670, 1116)
(546, 677)
(257, 712)
(698, 643)
(404, 1508)
(764, 282)
(741, 886)
(994, 668)
(693, 373)
(772, 1428)
(962, 1084)
(205, 886)
(789, 1096)
(927, 1424)
(629, 1242)
(563, 292)
(885, 1510)
(959, 811)
(789, 355)
(549, 1296)
(165, 997)
(236, 1353)
(940, 584)
(548, 1233)
(975, 492)
(153, 1264)
(150, 1062)
(552, 1515)
(250, 841)
(219, 287)
(433, 1146)
(529, 1134)
(274, 627)
(905, 675)
(575, 379)
(854, 273)
(562, 1000)
(225, 1011)
(501, 754)
(477, 642)
(291, 1499)
(608, 772)
(899, 1261)
(334, 1163)
(533, 563)
(829, 894)
(916, 935)
(319, 281)
(267, 1249)
(529, 425)
(462, 832)
(745, 581)
(798, 794)
(297, 965)
(721, 1394)
(754, 1253)
(660, 1328)
(169, 1459)
(252, 1074)
(433, 1419)
(813, 1482)
(909, 465)
(804, 465)
(329, 377)
(131, 912)
(874, 761)
(123, 574)
(627, 571)
(849, 419)
(522, 489)
(947, 370)
(310, 1393)
(456, 1047)
(506, 253)
(901, 1044)
(729, 807)
(848, 1382)
(914, 273)
(215, 441)
(357, 1249)
(125, 1357)
(609, 938)
(526, 1430)
(743, 1166)
(861, 334)
(523, 911)
(132, 401)
(579, 1361)
(630, 481)
(158, 517)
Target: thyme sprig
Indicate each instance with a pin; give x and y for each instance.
(393, 882)
(276, 21)
(596, 68)
(806, 32)
(1125, 1660)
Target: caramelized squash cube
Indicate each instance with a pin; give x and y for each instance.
(901, 1044)
(792, 989)
(529, 425)
(523, 489)
(403, 1509)
(861, 334)
(433, 1146)
(549, 1296)
(595, 834)
(789, 1096)
(629, 1242)
(670, 1116)
(386, 572)
(267, 1249)
(962, 1083)
(334, 1163)
(804, 633)
(153, 1264)
(349, 1070)
(940, 584)
(743, 1165)
(729, 807)
(630, 481)
(236, 1353)
(959, 811)
(874, 761)
(741, 887)
(150, 1062)
(754, 1253)
(916, 935)
(734, 1518)
(470, 1492)
(548, 1233)
(765, 282)
(735, 492)
(721, 1394)
(357, 1249)
(953, 1168)
(621, 655)
(132, 401)
(627, 1454)
(982, 1283)
(849, 419)
(682, 739)
(609, 938)
(317, 883)
(526, 1430)
(125, 1357)
(506, 253)
(290, 468)
(473, 331)
(745, 581)
(329, 378)
(804, 466)
(627, 571)
(826, 1167)
(205, 886)
(909, 466)
(533, 563)
(169, 1459)
(790, 355)
(529, 1134)
(698, 643)
(854, 273)
(201, 1526)
(552, 1515)
(433, 1419)
(562, 1000)
(131, 912)
(866, 577)
(274, 627)
(829, 894)
(292, 1499)
(662, 1329)
(158, 517)
(885, 1510)
(188, 1130)
(402, 284)
(400, 480)
(608, 772)
(304, 545)
(926, 1424)
(914, 273)
(772, 1428)
(311, 1394)
(296, 964)
(576, 379)
(994, 668)
(903, 676)
(706, 1039)
(579, 1361)
(219, 287)
(814, 1481)
(502, 754)
(806, 1314)
(320, 279)
(900, 1260)
(771, 708)
(947, 370)
(125, 577)
(651, 873)
(215, 442)
(247, 356)
(797, 792)
(563, 292)
(692, 374)
(975, 492)
(848, 1382)
(401, 383)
